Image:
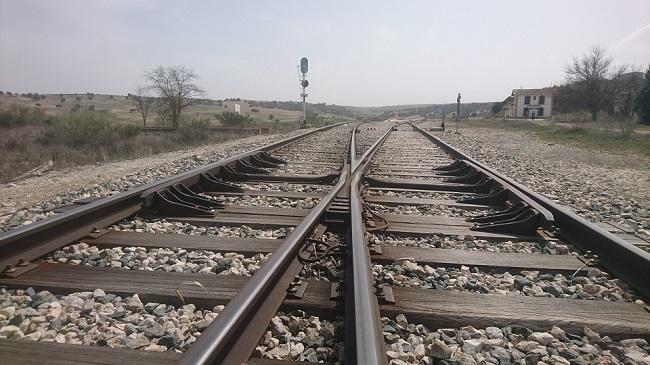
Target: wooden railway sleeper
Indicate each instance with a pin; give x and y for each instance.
(244, 166)
(296, 289)
(470, 178)
(511, 212)
(188, 195)
(173, 202)
(230, 173)
(370, 220)
(496, 197)
(453, 166)
(267, 157)
(259, 161)
(457, 172)
(20, 268)
(525, 223)
(211, 183)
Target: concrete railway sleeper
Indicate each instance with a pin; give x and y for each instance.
(368, 243)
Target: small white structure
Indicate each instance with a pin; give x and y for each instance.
(530, 103)
(237, 109)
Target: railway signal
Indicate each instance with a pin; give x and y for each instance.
(457, 111)
(304, 67)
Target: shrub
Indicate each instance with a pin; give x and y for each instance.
(21, 115)
(91, 107)
(38, 104)
(127, 131)
(82, 128)
(194, 129)
(62, 100)
(271, 116)
(77, 98)
(76, 107)
(58, 105)
(231, 119)
(255, 110)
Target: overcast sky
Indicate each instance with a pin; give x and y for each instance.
(361, 52)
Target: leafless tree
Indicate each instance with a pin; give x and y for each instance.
(143, 102)
(176, 86)
(594, 79)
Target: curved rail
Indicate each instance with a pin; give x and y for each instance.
(232, 337)
(363, 313)
(627, 261)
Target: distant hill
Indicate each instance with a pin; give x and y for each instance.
(261, 111)
(358, 111)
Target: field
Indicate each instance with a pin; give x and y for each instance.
(121, 107)
(38, 133)
(583, 134)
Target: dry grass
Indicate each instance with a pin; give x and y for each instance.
(84, 137)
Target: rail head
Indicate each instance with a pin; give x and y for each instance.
(364, 315)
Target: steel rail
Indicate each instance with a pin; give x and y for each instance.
(547, 219)
(622, 258)
(363, 313)
(30, 242)
(232, 337)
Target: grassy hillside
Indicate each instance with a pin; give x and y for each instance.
(121, 107)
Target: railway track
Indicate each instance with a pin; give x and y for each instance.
(374, 243)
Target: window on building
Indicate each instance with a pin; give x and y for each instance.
(526, 99)
(535, 97)
(540, 111)
(542, 99)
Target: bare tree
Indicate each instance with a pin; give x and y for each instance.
(143, 102)
(593, 79)
(176, 86)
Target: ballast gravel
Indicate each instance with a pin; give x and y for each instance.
(299, 336)
(286, 187)
(267, 201)
(159, 259)
(417, 195)
(164, 226)
(100, 319)
(411, 343)
(596, 286)
(428, 210)
(472, 244)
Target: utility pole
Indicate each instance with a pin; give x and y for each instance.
(304, 67)
(457, 111)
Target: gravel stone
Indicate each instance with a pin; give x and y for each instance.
(160, 259)
(427, 210)
(298, 336)
(408, 273)
(268, 201)
(468, 345)
(118, 322)
(470, 243)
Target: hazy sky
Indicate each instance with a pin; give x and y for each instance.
(360, 52)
